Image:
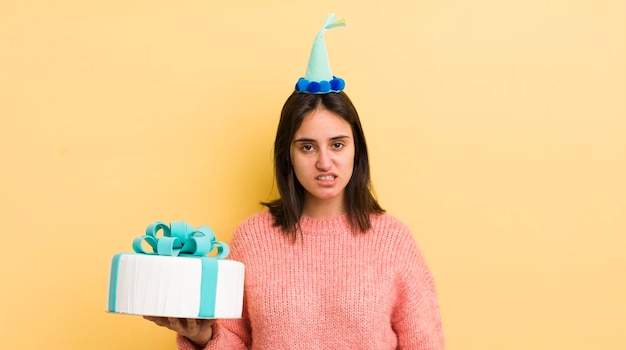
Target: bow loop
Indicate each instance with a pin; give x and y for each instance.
(180, 239)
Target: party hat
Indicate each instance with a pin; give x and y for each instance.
(319, 78)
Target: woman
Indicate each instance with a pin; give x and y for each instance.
(326, 267)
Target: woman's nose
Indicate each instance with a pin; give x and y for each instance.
(323, 160)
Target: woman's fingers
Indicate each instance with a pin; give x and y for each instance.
(193, 325)
(161, 321)
(184, 326)
(199, 331)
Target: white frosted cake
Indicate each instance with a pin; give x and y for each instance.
(177, 279)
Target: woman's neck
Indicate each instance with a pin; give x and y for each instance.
(323, 208)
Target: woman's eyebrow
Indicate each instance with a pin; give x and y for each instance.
(306, 139)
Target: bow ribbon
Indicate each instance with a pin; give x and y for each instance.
(180, 239)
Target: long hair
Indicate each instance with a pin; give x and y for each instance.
(359, 198)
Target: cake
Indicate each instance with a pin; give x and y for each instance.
(176, 278)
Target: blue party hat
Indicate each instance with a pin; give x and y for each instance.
(319, 78)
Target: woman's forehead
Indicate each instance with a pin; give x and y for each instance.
(323, 121)
(323, 127)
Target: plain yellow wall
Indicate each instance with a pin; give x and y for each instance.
(497, 133)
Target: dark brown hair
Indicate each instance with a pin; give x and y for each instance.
(360, 201)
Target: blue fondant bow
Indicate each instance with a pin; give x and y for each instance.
(180, 239)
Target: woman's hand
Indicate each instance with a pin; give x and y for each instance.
(199, 331)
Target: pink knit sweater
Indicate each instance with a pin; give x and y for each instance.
(332, 289)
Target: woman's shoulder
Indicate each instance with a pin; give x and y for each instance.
(398, 238)
(261, 221)
(392, 230)
(253, 235)
(388, 222)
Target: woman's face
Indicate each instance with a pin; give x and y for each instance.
(322, 153)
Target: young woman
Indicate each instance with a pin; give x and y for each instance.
(326, 267)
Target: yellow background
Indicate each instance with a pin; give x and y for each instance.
(497, 133)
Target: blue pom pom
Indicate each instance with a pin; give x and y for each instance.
(302, 84)
(314, 87)
(324, 86)
(337, 84)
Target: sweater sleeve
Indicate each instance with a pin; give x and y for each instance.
(223, 338)
(416, 317)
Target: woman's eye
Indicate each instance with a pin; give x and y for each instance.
(307, 148)
(337, 145)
